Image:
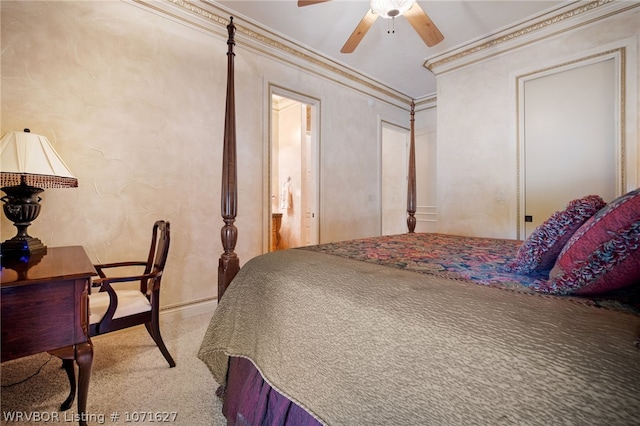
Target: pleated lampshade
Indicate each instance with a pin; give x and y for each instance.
(30, 158)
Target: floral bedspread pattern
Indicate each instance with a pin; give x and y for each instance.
(481, 260)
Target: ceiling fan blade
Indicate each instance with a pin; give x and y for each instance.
(358, 34)
(423, 25)
(302, 3)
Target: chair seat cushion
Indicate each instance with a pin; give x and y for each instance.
(129, 302)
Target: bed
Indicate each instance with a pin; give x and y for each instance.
(432, 328)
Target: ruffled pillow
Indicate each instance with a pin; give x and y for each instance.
(603, 255)
(539, 252)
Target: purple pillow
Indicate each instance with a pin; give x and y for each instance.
(603, 255)
(539, 252)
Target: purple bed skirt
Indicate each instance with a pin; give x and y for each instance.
(249, 400)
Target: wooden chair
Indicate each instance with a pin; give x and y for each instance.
(112, 309)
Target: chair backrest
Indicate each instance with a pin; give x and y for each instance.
(158, 253)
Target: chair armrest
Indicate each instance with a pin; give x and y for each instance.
(105, 282)
(101, 266)
(113, 304)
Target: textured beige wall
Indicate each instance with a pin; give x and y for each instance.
(134, 103)
(129, 104)
(477, 124)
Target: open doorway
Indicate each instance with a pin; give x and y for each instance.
(293, 172)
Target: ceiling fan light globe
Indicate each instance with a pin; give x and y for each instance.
(390, 8)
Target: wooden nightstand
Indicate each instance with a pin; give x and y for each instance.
(45, 308)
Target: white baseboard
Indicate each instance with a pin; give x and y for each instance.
(189, 310)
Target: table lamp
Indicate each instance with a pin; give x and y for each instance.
(28, 165)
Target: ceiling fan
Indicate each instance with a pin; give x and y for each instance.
(417, 17)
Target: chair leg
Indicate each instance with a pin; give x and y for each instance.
(154, 331)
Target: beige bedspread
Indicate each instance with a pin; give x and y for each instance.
(357, 343)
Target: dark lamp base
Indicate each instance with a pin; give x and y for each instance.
(21, 206)
(20, 247)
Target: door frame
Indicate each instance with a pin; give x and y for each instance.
(272, 90)
(620, 142)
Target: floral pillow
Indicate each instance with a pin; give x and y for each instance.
(539, 252)
(603, 255)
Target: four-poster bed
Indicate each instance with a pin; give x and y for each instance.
(229, 263)
(430, 328)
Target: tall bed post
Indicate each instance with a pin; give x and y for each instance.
(229, 263)
(411, 183)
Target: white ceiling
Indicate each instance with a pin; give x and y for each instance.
(395, 60)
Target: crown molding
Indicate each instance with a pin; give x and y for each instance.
(212, 19)
(550, 24)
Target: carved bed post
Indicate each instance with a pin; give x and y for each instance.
(229, 263)
(411, 185)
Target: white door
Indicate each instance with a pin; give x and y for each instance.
(309, 233)
(570, 144)
(426, 181)
(395, 157)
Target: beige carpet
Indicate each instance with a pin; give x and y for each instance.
(129, 377)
